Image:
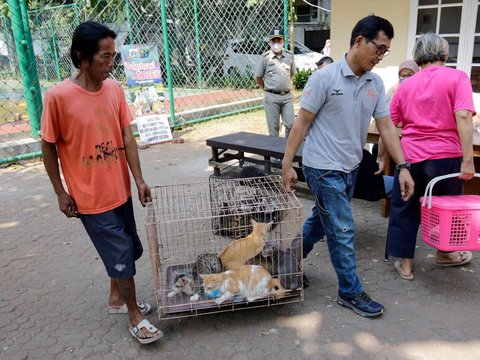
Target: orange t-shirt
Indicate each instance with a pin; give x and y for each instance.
(87, 129)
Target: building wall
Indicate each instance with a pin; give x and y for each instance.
(346, 13)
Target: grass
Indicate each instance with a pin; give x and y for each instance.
(8, 108)
(11, 89)
(253, 121)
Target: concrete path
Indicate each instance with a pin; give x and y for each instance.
(53, 290)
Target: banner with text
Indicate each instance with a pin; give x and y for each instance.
(144, 78)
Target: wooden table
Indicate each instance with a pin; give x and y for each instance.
(471, 187)
(269, 151)
(255, 148)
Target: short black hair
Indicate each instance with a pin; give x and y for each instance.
(325, 59)
(370, 26)
(85, 41)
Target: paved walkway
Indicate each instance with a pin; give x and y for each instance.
(53, 290)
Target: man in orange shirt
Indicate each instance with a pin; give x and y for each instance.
(86, 124)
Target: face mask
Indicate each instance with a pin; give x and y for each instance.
(402, 78)
(276, 47)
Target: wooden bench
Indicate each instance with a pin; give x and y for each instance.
(249, 147)
(261, 149)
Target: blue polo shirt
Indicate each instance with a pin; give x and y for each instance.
(343, 105)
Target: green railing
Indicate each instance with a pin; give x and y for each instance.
(207, 52)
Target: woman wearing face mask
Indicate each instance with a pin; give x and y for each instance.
(406, 69)
(274, 74)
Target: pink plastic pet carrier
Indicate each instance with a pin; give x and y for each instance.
(450, 223)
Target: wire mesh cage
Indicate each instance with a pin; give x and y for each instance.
(224, 245)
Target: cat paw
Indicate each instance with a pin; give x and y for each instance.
(171, 294)
(194, 297)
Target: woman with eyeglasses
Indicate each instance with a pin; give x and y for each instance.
(435, 109)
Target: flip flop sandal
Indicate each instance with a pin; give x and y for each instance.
(145, 324)
(145, 309)
(398, 266)
(462, 257)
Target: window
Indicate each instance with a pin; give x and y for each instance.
(306, 13)
(303, 13)
(475, 58)
(250, 47)
(459, 23)
(444, 18)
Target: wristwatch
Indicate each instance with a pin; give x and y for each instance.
(405, 165)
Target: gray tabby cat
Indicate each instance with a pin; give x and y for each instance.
(283, 264)
(191, 284)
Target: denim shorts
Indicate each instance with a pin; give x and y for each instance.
(114, 234)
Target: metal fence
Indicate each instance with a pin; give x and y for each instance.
(207, 52)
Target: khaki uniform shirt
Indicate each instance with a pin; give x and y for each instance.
(276, 70)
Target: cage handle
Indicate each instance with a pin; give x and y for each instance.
(429, 188)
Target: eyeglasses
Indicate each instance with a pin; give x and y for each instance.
(381, 49)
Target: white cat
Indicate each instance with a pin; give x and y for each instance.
(249, 281)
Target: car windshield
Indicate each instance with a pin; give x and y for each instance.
(301, 49)
(250, 47)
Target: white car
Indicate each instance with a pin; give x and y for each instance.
(242, 57)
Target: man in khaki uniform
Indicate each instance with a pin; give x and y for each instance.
(274, 74)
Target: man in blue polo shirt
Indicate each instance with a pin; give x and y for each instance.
(335, 111)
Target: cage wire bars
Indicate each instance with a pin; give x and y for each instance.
(208, 51)
(186, 224)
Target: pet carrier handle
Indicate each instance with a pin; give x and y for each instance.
(429, 188)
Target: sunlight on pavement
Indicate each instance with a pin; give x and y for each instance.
(305, 326)
(439, 350)
(9, 224)
(367, 342)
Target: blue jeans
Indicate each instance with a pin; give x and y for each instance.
(333, 217)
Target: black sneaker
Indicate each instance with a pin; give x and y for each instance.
(362, 304)
(306, 283)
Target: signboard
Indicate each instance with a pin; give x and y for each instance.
(153, 128)
(141, 64)
(144, 78)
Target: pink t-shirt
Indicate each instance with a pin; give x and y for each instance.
(426, 104)
(87, 129)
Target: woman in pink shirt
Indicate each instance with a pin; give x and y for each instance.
(435, 108)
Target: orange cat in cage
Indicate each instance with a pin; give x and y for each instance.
(238, 252)
(250, 281)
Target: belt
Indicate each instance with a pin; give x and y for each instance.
(278, 92)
